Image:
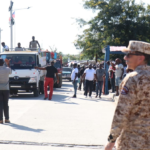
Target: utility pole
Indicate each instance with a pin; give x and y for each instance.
(0, 39)
(11, 26)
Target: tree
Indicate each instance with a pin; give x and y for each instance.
(116, 22)
(70, 57)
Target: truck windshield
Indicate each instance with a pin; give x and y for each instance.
(20, 61)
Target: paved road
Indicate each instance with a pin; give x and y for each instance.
(63, 120)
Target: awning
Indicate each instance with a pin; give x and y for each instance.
(115, 49)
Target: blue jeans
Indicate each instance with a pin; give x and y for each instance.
(75, 86)
(99, 86)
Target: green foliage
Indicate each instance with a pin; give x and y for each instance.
(116, 22)
(71, 57)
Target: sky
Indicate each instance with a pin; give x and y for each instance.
(52, 22)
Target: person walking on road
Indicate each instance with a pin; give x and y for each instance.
(131, 122)
(49, 79)
(4, 90)
(79, 73)
(118, 74)
(74, 78)
(100, 74)
(89, 75)
(81, 81)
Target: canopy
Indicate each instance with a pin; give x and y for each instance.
(114, 49)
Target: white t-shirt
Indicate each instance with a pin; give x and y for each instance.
(89, 74)
(73, 74)
(118, 71)
(5, 48)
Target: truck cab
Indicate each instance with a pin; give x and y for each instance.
(24, 76)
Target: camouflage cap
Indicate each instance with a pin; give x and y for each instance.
(138, 46)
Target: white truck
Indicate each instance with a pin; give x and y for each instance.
(24, 76)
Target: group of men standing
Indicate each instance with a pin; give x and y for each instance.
(33, 45)
(87, 77)
(130, 128)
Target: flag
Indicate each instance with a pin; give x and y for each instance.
(13, 16)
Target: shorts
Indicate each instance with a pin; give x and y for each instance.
(117, 81)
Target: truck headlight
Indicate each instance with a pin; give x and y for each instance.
(33, 80)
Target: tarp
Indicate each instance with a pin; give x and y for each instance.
(115, 49)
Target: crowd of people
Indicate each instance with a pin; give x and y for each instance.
(131, 122)
(92, 77)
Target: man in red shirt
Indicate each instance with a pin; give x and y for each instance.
(49, 79)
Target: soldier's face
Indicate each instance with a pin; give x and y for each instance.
(133, 61)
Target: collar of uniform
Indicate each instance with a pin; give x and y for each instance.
(141, 67)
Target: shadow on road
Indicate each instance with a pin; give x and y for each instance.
(26, 96)
(97, 99)
(63, 99)
(21, 127)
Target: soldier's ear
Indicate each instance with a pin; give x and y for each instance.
(142, 58)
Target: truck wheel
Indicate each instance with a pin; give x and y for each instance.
(41, 87)
(60, 82)
(15, 92)
(36, 93)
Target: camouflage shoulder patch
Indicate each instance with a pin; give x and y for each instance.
(124, 90)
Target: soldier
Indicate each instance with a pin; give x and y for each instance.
(131, 122)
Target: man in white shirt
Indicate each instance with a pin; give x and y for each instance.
(74, 78)
(5, 47)
(89, 75)
(118, 74)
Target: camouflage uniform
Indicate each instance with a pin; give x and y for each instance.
(131, 123)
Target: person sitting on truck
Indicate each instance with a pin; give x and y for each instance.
(5, 47)
(19, 48)
(33, 44)
(49, 79)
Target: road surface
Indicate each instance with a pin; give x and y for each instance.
(61, 123)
